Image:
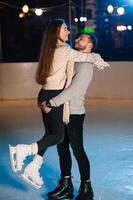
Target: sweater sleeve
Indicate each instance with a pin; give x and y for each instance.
(80, 81)
(92, 58)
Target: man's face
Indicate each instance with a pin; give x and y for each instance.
(82, 42)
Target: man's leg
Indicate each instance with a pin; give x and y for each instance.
(75, 131)
(64, 189)
(65, 156)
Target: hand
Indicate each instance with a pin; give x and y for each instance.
(46, 109)
(99, 62)
(103, 65)
(43, 107)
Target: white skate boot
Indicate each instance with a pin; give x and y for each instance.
(31, 173)
(19, 153)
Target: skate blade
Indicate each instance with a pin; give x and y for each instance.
(12, 161)
(27, 180)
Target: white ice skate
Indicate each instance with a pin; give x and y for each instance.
(19, 153)
(31, 173)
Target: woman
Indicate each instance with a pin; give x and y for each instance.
(51, 74)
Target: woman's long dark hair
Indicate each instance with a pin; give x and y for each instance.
(47, 50)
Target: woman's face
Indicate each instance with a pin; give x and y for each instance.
(63, 33)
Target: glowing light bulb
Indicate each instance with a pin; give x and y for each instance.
(85, 19)
(21, 15)
(76, 19)
(121, 28)
(81, 19)
(110, 9)
(120, 11)
(129, 27)
(38, 11)
(25, 8)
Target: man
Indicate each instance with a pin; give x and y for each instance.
(82, 77)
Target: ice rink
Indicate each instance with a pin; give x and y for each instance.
(108, 141)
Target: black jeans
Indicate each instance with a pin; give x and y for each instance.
(74, 137)
(53, 123)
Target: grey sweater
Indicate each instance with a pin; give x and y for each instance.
(82, 76)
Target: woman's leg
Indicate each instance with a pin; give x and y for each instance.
(54, 129)
(54, 133)
(53, 123)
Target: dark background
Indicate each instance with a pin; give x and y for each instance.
(21, 37)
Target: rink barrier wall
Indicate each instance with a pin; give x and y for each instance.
(17, 81)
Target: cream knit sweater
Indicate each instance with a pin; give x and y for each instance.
(62, 55)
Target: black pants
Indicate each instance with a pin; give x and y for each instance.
(53, 123)
(74, 137)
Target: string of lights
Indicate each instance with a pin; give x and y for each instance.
(26, 8)
(110, 10)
